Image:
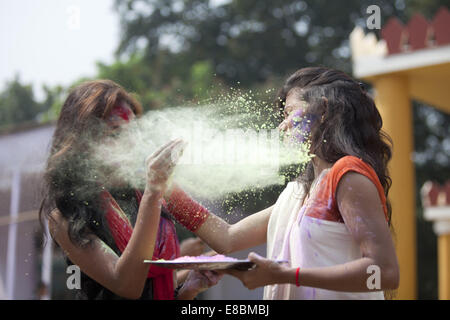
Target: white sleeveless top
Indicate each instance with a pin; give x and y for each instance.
(308, 242)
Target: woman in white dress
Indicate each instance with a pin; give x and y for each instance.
(333, 223)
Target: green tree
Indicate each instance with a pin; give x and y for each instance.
(245, 40)
(52, 103)
(17, 104)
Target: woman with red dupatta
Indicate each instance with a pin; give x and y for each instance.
(106, 227)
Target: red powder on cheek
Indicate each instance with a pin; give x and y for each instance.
(120, 113)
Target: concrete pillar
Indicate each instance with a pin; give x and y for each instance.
(393, 102)
(12, 234)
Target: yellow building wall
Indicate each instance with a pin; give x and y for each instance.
(393, 102)
(444, 266)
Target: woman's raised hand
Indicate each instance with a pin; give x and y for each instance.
(160, 166)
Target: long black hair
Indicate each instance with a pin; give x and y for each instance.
(350, 123)
(71, 185)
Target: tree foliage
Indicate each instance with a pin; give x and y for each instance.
(17, 103)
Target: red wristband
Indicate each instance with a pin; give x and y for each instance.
(296, 277)
(185, 210)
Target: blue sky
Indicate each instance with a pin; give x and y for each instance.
(43, 42)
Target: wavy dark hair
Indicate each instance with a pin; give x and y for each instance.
(350, 123)
(70, 184)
